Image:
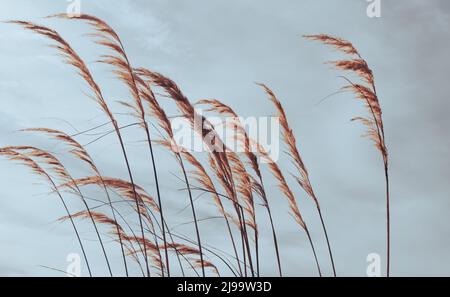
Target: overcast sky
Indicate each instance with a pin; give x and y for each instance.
(219, 49)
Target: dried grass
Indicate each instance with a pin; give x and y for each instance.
(238, 175)
(367, 93)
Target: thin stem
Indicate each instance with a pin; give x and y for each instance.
(234, 244)
(314, 251)
(138, 204)
(244, 253)
(241, 220)
(194, 215)
(117, 226)
(275, 240)
(247, 244)
(388, 220)
(242, 224)
(95, 226)
(274, 234)
(328, 241)
(78, 237)
(257, 252)
(159, 199)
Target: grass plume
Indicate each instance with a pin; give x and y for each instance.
(367, 93)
